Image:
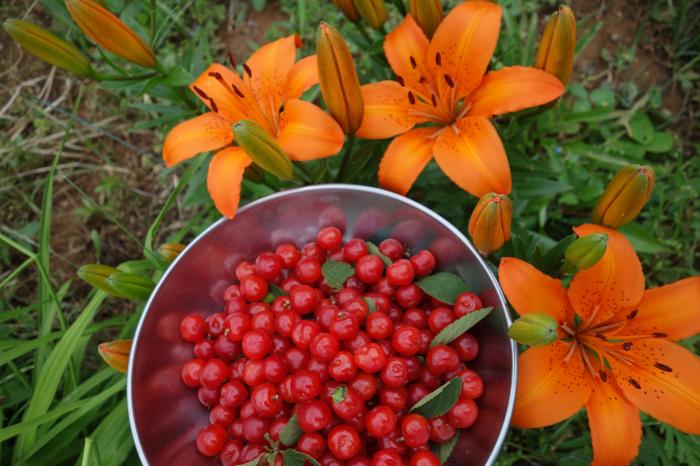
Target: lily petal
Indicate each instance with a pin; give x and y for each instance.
(387, 111)
(405, 158)
(465, 41)
(406, 49)
(663, 380)
(614, 284)
(269, 67)
(672, 309)
(529, 290)
(616, 429)
(549, 389)
(224, 179)
(308, 133)
(209, 89)
(474, 157)
(512, 89)
(191, 137)
(302, 76)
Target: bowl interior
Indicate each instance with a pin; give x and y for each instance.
(165, 415)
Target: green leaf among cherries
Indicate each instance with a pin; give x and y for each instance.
(291, 432)
(374, 250)
(336, 273)
(453, 331)
(444, 450)
(443, 286)
(339, 394)
(292, 457)
(440, 400)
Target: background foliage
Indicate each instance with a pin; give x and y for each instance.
(82, 182)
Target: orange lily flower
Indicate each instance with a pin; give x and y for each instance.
(442, 82)
(268, 94)
(616, 353)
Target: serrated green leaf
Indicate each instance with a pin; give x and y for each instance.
(443, 286)
(450, 333)
(339, 394)
(444, 450)
(374, 250)
(254, 462)
(336, 273)
(440, 400)
(291, 432)
(296, 458)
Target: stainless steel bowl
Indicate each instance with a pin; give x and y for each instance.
(165, 415)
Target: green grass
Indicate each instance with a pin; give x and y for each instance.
(78, 164)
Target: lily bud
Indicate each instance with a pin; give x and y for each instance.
(558, 44)
(96, 275)
(625, 196)
(348, 9)
(109, 32)
(373, 11)
(427, 13)
(534, 329)
(585, 252)
(47, 47)
(340, 85)
(489, 225)
(131, 286)
(262, 149)
(116, 354)
(169, 251)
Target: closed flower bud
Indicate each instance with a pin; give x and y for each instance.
(373, 11)
(96, 275)
(625, 196)
(262, 149)
(109, 32)
(47, 47)
(558, 44)
(585, 252)
(489, 225)
(169, 251)
(116, 354)
(348, 9)
(427, 13)
(131, 285)
(340, 85)
(534, 329)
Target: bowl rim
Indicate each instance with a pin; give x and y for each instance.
(336, 187)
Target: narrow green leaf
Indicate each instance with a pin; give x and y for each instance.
(374, 250)
(450, 333)
(444, 450)
(277, 291)
(440, 400)
(339, 394)
(443, 286)
(254, 462)
(297, 458)
(370, 304)
(291, 432)
(112, 436)
(336, 273)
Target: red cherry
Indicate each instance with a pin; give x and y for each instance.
(305, 385)
(324, 346)
(285, 322)
(308, 270)
(329, 238)
(406, 340)
(231, 453)
(423, 262)
(237, 324)
(357, 342)
(313, 415)
(277, 425)
(253, 287)
(233, 394)
(324, 314)
(467, 346)
(275, 368)
(441, 430)
(387, 457)
(415, 430)
(381, 301)
(314, 251)
(254, 372)
(289, 254)
(424, 458)
(304, 332)
(463, 414)
(439, 318)
(380, 421)
(408, 296)
(467, 302)
(350, 406)
(250, 452)
(264, 320)
(369, 269)
(236, 304)
(256, 344)
(233, 291)
(356, 284)
(312, 443)
(393, 397)
(244, 269)
(400, 272)
(211, 439)
(193, 327)
(266, 400)
(370, 358)
(255, 428)
(208, 396)
(222, 415)
(256, 308)
(226, 349)
(357, 307)
(472, 385)
(379, 326)
(204, 349)
(296, 358)
(214, 373)
(319, 367)
(303, 299)
(342, 367)
(392, 248)
(191, 371)
(395, 373)
(354, 250)
(441, 359)
(215, 324)
(416, 392)
(281, 303)
(344, 441)
(268, 265)
(358, 461)
(344, 325)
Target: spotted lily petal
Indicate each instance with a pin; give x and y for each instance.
(307, 132)
(191, 137)
(387, 111)
(405, 159)
(225, 177)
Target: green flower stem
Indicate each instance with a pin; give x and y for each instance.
(346, 158)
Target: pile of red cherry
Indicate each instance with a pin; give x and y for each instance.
(349, 363)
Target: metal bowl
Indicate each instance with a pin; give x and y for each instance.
(165, 415)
